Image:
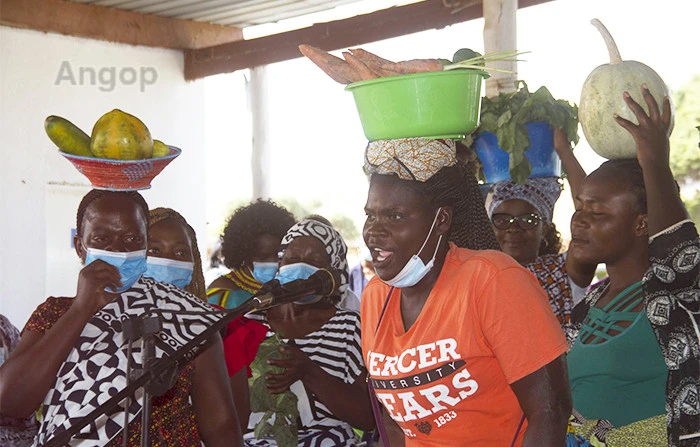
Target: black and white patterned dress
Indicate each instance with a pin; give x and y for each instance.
(672, 291)
(337, 348)
(95, 369)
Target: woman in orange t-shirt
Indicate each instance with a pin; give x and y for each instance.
(460, 343)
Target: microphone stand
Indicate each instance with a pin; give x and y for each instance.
(157, 366)
(153, 369)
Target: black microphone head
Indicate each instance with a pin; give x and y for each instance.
(329, 281)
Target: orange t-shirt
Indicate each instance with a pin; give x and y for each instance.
(446, 381)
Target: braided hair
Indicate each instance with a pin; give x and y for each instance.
(456, 186)
(249, 222)
(97, 194)
(196, 286)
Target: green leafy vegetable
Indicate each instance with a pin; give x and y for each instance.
(506, 116)
(464, 54)
(281, 411)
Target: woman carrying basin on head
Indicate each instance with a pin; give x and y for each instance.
(460, 343)
(521, 216)
(77, 352)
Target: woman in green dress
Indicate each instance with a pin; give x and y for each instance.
(625, 376)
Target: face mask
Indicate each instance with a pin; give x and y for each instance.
(415, 269)
(131, 264)
(264, 271)
(177, 273)
(300, 270)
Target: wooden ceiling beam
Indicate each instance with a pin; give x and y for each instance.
(114, 25)
(358, 30)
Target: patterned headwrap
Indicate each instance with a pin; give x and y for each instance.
(409, 158)
(196, 286)
(540, 192)
(332, 240)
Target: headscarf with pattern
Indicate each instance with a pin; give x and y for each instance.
(196, 286)
(432, 168)
(331, 239)
(409, 158)
(540, 192)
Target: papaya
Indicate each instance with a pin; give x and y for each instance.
(67, 136)
(160, 149)
(119, 135)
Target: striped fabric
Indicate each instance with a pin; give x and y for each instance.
(337, 348)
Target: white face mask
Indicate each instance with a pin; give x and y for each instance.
(415, 269)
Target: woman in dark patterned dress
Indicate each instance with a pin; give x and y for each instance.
(76, 351)
(634, 368)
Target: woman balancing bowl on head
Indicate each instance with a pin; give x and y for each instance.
(250, 243)
(76, 353)
(629, 215)
(324, 368)
(521, 216)
(460, 343)
(173, 258)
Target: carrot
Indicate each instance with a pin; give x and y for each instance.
(414, 66)
(369, 58)
(359, 66)
(335, 67)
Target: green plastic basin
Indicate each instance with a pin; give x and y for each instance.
(440, 104)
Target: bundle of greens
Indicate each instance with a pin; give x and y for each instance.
(470, 59)
(506, 116)
(281, 412)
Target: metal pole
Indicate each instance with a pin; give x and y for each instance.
(149, 353)
(260, 158)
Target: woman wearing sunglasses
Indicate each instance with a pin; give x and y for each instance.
(521, 216)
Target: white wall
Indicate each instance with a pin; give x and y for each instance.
(37, 184)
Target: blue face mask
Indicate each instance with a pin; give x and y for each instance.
(264, 271)
(415, 269)
(131, 264)
(177, 273)
(300, 270)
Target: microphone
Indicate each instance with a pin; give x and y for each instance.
(323, 282)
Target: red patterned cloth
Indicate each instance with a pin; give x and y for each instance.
(173, 422)
(243, 336)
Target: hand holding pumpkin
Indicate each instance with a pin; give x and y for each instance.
(651, 135)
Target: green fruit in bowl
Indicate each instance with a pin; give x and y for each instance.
(160, 149)
(121, 136)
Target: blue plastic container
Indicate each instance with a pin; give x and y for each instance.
(541, 154)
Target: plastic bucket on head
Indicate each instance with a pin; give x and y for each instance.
(438, 104)
(541, 154)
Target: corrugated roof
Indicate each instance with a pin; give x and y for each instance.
(239, 13)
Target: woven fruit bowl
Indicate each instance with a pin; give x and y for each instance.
(121, 175)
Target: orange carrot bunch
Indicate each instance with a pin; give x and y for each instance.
(358, 65)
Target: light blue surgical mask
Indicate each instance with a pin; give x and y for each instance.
(415, 269)
(300, 270)
(177, 273)
(264, 271)
(131, 264)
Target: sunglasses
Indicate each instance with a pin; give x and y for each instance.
(525, 221)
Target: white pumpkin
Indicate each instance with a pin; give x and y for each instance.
(601, 99)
